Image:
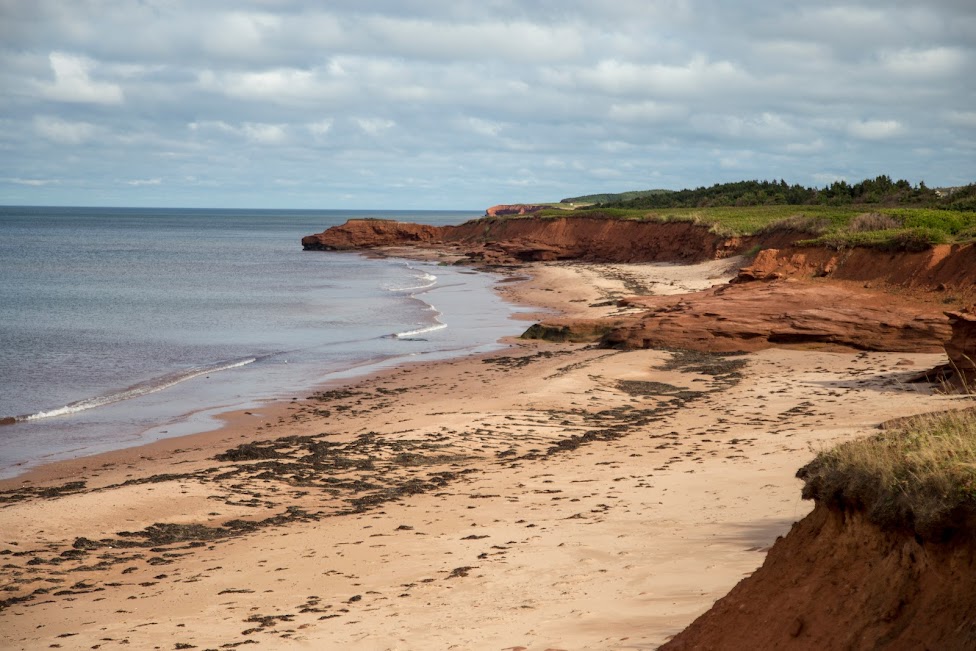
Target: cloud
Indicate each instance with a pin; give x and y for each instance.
(73, 83)
(141, 182)
(320, 128)
(63, 132)
(374, 126)
(265, 134)
(482, 127)
(31, 182)
(698, 75)
(874, 129)
(347, 99)
(934, 62)
(255, 132)
(647, 111)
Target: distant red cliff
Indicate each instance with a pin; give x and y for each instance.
(513, 209)
(507, 240)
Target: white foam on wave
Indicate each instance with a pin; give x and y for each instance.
(426, 280)
(137, 390)
(421, 331)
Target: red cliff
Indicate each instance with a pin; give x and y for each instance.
(506, 240)
(513, 209)
(961, 347)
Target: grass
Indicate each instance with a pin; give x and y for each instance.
(839, 227)
(918, 476)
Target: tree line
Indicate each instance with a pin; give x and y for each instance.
(881, 190)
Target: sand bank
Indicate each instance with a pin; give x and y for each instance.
(550, 496)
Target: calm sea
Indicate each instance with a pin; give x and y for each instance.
(122, 326)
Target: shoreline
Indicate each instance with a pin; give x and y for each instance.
(540, 496)
(205, 419)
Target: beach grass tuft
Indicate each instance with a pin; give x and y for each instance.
(918, 475)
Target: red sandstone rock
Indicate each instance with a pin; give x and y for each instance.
(945, 268)
(369, 233)
(961, 347)
(756, 316)
(507, 240)
(513, 209)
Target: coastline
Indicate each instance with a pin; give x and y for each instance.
(541, 496)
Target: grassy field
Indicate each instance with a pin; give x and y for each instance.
(832, 226)
(920, 475)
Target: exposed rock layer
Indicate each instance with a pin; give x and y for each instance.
(961, 347)
(948, 268)
(371, 233)
(837, 581)
(513, 209)
(501, 240)
(760, 315)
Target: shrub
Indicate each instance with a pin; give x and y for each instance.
(799, 223)
(905, 239)
(873, 221)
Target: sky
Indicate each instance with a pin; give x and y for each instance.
(458, 104)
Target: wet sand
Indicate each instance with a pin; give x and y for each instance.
(548, 496)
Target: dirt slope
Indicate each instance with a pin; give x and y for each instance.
(837, 581)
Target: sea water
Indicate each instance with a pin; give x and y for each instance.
(122, 326)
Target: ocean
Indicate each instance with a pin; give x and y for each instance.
(121, 326)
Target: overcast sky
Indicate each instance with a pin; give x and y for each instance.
(463, 104)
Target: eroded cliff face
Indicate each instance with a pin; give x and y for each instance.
(838, 581)
(732, 318)
(513, 209)
(961, 346)
(371, 233)
(508, 240)
(757, 316)
(946, 268)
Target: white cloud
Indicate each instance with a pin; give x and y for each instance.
(482, 127)
(512, 40)
(63, 132)
(140, 182)
(265, 134)
(697, 76)
(936, 62)
(73, 83)
(32, 182)
(374, 126)
(647, 111)
(806, 147)
(240, 34)
(256, 132)
(320, 128)
(874, 129)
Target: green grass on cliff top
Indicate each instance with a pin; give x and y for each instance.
(918, 476)
(833, 226)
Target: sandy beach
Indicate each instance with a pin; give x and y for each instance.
(548, 496)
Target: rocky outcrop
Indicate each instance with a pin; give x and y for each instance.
(508, 240)
(513, 209)
(371, 233)
(961, 347)
(757, 316)
(838, 581)
(945, 268)
(743, 318)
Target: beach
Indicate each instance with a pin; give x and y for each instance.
(545, 496)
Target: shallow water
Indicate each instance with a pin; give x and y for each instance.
(121, 326)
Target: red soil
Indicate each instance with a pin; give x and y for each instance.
(837, 581)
